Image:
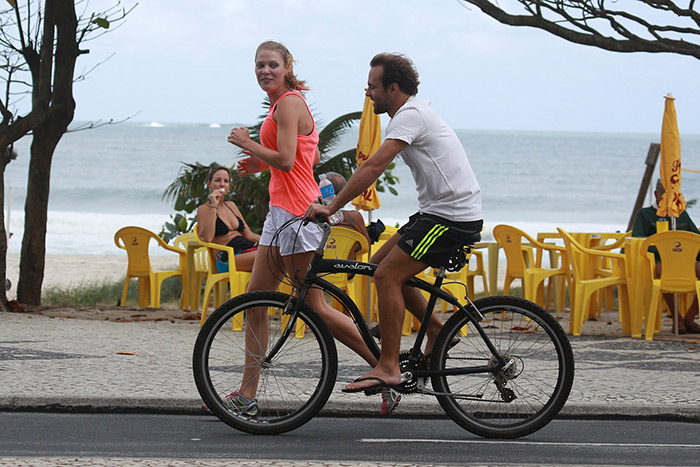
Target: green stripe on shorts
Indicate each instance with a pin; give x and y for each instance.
(428, 240)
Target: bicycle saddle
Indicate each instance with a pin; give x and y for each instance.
(460, 259)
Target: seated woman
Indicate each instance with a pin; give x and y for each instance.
(221, 222)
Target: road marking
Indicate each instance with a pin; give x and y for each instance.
(529, 443)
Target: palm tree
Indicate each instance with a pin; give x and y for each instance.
(250, 193)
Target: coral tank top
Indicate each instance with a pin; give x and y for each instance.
(294, 190)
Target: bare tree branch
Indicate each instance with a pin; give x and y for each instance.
(99, 124)
(655, 26)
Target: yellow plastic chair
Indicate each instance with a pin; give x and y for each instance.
(340, 245)
(521, 264)
(603, 268)
(389, 232)
(238, 280)
(201, 265)
(584, 286)
(678, 251)
(136, 240)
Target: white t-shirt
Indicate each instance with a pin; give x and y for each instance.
(446, 184)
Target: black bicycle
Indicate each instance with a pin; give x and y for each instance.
(509, 374)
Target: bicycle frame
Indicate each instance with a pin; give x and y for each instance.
(313, 278)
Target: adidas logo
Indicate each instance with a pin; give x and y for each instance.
(409, 242)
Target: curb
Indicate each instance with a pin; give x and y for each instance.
(190, 406)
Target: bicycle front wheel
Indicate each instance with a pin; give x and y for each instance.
(525, 395)
(243, 343)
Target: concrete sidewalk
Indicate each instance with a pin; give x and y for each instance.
(91, 365)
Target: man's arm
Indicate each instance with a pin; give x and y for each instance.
(368, 172)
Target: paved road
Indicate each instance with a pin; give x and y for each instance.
(124, 438)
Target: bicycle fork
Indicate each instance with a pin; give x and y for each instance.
(291, 309)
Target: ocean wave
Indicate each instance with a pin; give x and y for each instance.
(84, 233)
(88, 233)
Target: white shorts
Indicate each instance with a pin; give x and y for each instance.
(295, 238)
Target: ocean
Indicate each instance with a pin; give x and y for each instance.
(108, 177)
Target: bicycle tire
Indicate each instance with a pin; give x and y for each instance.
(293, 386)
(532, 391)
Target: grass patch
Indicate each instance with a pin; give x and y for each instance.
(108, 294)
(513, 292)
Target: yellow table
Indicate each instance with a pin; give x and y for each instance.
(492, 251)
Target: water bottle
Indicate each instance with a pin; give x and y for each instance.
(328, 195)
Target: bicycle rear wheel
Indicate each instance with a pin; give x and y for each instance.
(523, 397)
(293, 384)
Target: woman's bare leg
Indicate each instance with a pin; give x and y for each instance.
(257, 328)
(341, 325)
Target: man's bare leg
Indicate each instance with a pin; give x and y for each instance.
(413, 299)
(395, 269)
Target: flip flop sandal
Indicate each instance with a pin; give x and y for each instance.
(372, 389)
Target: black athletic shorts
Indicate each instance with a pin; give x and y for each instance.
(434, 240)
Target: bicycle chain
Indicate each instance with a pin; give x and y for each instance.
(414, 384)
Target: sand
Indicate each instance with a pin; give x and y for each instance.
(67, 271)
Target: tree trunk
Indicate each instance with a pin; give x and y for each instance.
(3, 234)
(56, 96)
(31, 266)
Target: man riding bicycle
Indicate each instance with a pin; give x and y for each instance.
(449, 200)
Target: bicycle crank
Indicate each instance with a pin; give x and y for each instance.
(410, 383)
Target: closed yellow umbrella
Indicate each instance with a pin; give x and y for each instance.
(672, 203)
(367, 144)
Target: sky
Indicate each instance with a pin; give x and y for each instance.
(192, 62)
